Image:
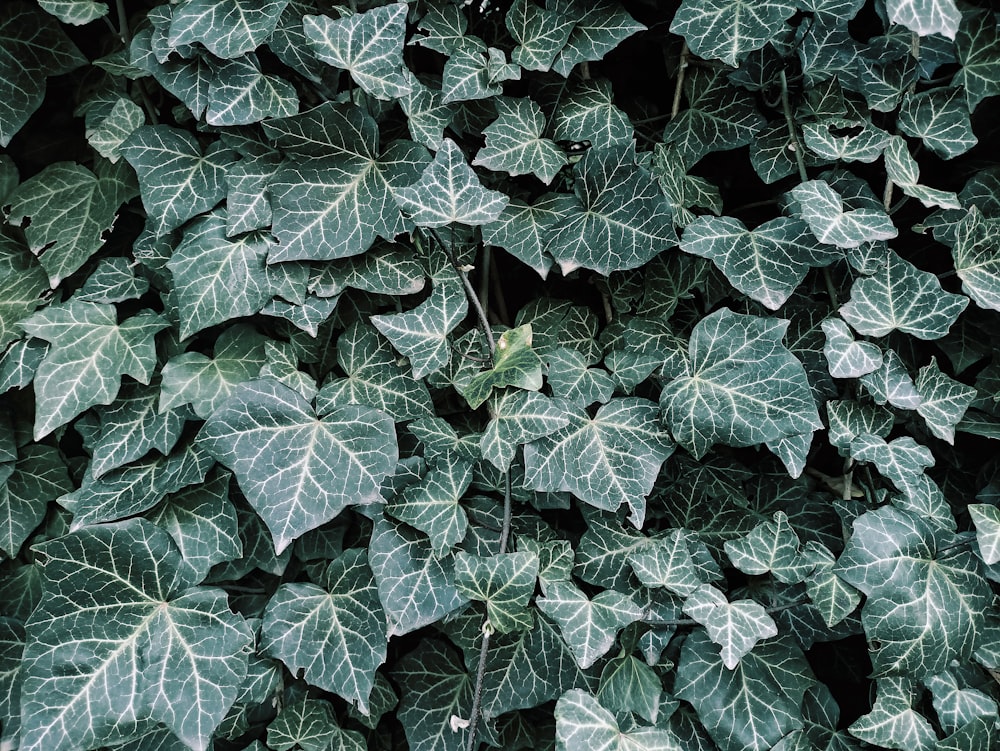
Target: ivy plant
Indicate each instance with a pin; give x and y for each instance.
(585, 375)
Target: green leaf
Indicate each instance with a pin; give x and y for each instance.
(450, 191)
(422, 333)
(605, 460)
(90, 352)
(893, 723)
(415, 587)
(588, 626)
(176, 179)
(504, 582)
(297, 471)
(943, 401)
(571, 379)
(310, 725)
(66, 210)
(466, 74)
(337, 196)
(901, 297)
(514, 142)
(903, 170)
(924, 607)
(75, 12)
(892, 383)
(333, 634)
(112, 281)
(582, 723)
(369, 45)
(435, 691)
(519, 417)
(515, 364)
(926, 17)
(120, 590)
(977, 45)
(445, 29)
(834, 598)
(744, 386)
(772, 547)
(667, 562)
(729, 29)
(622, 220)
(752, 706)
(541, 34)
(957, 706)
(241, 94)
(766, 263)
(849, 419)
(600, 27)
(940, 118)
(228, 28)
(824, 139)
(22, 283)
(976, 259)
(433, 504)
(108, 135)
(587, 112)
(735, 626)
(521, 228)
(822, 207)
(32, 47)
(846, 357)
(374, 377)
(901, 460)
(981, 732)
(630, 685)
(38, 476)
(987, 521)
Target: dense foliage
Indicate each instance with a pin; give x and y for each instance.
(573, 374)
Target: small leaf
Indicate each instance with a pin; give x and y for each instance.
(515, 364)
(846, 357)
(521, 229)
(903, 170)
(630, 685)
(504, 582)
(227, 28)
(600, 27)
(519, 417)
(956, 706)
(893, 723)
(514, 142)
(772, 547)
(978, 46)
(587, 112)
(38, 477)
(823, 209)
(541, 34)
(433, 504)
(926, 17)
(582, 723)
(976, 259)
(667, 562)
(987, 521)
(241, 93)
(736, 626)
(940, 118)
(833, 597)
(943, 401)
(435, 690)
(310, 725)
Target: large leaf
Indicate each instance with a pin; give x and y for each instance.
(227, 28)
(146, 644)
(940, 118)
(298, 471)
(729, 29)
(743, 386)
(978, 46)
(583, 724)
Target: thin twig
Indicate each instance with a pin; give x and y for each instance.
(792, 135)
(469, 291)
(679, 86)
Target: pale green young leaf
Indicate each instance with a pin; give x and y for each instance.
(977, 45)
(176, 179)
(504, 582)
(373, 377)
(227, 28)
(515, 364)
(334, 634)
(33, 47)
(940, 118)
(735, 626)
(622, 220)
(729, 29)
(892, 383)
(772, 547)
(416, 588)
(846, 357)
(435, 690)
(901, 297)
(630, 685)
(987, 521)
(66, 210)
(587, 112)
(744, 386)
(23, 282)
(514, 142)
(122, 590)
(202, 522)
(90, 352)
(822, 208)
(893, 723)
(926, 17)
(943, 400)
(605, 460)
(297, 471)
(450, 191)
(519, 417)
(205, 382)
(433, 504)
(422, 333)
(845, 139)
(571, 379)
(956, 706)
(582, 723)
(600, 26)
(111, 132)
(903, 170)
(310, 725)
(369, 45)
(977, 261)
(589, 626)
(541, 34)
(241, 94)
(521, 228)
(38, 477)
(767, 263)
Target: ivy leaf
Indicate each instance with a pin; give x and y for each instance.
(188, 80)
(833, 597)
(735, 626)
(772, 547)
(66, 210)
(582, 723)
(892, 383)
(369, 45)
(521, 229)
(630, 685)
(177, 181)
(976, 259)
(514, 142)
(422, 333)
(247, 24)
(863, 142)
(899, 296)
(589, 626)
(623, 219)
(744, 386)
(849, 419)
(987, 521)
(924, 607)
(943, 401)
(605, 460)
(977, 44)
(822, 207)
(445, 29)
(541, 34)
(373, 378)
(75, 12)
(519, 417)
(728, 30)
(38, 477)
(22, 282)
(241, 94)
(903, 170)
(121, 589)
(310, 725)
(901, 460)
(415, 587)
(33, 47)
(766, 263)
(516, 364)
(466, 74)
(433, 504)
(450, 191)
(956, 706)
(588, 113)
(667, 562)
(846, 357)
(893, 723)
(112, 281)
(926, 17)
(571, 379)
(333, 633)
(89, 353)
(600, 27)
(297, 471)
(940, 118)
(504, 582)
(435, 690)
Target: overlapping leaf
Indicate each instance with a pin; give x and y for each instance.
(599, 27)
(823, 209)
(582, 723)
(514, 142)
(977, 261)
(735, 626)
(729, 29)
(926, 17)
(504, 582)
(228, 28)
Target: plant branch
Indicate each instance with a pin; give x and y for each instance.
(469, 291)
(682, 65)
(793, 143)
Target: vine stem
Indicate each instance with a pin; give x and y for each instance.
(675, 107)
(692, 622)
(786, 107)
(470, 293)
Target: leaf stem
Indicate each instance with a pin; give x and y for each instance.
(469, 291)
(682, 65)
(793, 144)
